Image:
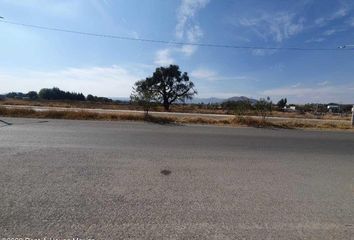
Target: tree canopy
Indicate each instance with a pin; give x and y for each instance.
(282, 103)
(143, 95)
(57, 94)
(264, 107)
(93, 98)
(166, 86)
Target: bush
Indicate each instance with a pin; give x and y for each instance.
(57, 94)
(92, 98)
(264, 107)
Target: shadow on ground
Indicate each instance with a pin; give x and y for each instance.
(161, 120)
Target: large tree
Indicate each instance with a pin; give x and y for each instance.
(168, 85)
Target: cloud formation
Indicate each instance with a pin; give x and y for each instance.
(343, 11)
(187, 29)
(211, 75)
(322, 92)
(277, 27)
(204, 74)
(262, 52)
(61, 9)
(185, 16)
(163, 57)
(351, 22)
(315, 40)
(112, 81)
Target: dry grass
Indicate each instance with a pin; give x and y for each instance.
(67, 104)
(80, 115)
(187, 108)
(237, 121)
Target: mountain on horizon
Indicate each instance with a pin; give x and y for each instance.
(213, 100)
(241, 98)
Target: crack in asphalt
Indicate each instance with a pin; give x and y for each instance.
(7, 124)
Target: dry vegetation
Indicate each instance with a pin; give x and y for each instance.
(67, 104)
(80, 115)
(187, 108)
(236, 121)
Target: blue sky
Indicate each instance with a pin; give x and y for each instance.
(32, 59)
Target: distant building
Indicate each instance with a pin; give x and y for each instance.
(333, 108)
(289, 108)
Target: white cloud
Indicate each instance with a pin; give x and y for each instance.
(316, 40)
(320, 21)
(163, 57)
(63, 8)
(100, 6)
(188, 50)
(186, 29)
(262, 52)
(185, 13)
(342, 12)
(278, 67)
(103, 81)
(322, 92)
(194, 33)
(134, 34)
(296, 85)
(324, 83)
(278, 26)
(211, 75)
(351, 22)
(332, 31)
(224, 94)
(204, 74)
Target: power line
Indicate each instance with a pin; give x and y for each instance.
(167, 42)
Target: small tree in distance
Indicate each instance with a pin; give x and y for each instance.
(241, 108)
(282, 103)
(264, 107)
(143, 95)
(166, 86)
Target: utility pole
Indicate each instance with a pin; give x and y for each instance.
(342, 47)
(353, 116)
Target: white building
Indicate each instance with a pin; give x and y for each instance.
(333, 108)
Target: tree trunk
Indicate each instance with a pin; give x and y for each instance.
(146, 113)
(166, 105)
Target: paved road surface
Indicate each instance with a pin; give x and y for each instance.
(102, 180)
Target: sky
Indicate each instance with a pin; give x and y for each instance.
(32, 59)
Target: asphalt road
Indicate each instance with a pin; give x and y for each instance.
(103, 180)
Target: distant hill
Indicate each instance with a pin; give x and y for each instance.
(241, 98)
(214, 100)
(211, 100)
